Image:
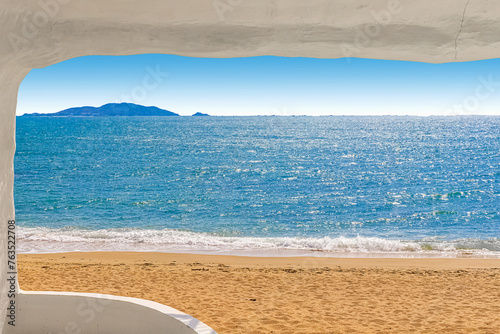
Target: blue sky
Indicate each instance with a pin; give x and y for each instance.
(266, 86)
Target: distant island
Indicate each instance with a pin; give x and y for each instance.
(110, 109)
(201, 114)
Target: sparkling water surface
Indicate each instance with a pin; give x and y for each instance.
(406, 186)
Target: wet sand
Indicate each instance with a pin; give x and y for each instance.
(289, 295)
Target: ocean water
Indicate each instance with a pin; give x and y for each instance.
(320, 186)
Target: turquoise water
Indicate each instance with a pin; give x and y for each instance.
(406, 186)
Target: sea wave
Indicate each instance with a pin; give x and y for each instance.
(46, 240)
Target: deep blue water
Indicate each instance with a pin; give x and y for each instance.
(336, 184)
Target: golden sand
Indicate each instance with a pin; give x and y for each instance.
(289, 295)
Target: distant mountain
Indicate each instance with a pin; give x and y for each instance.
(200, 114)
(111, 109)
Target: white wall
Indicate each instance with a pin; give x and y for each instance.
(10, 79)
(40, 33)
(43, 32)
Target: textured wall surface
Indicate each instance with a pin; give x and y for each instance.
(40, 33)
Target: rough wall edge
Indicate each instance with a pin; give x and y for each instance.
(11, 77)
(423, 31)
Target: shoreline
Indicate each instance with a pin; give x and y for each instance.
(236, 294)
(361, 260)
(283, 253)
(46, 240)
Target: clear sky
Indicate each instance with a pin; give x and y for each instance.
(266, 86)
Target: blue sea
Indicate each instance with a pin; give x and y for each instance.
(317, 186)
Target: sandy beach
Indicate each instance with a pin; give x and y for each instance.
(289, 295)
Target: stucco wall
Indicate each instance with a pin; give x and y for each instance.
(40, 33)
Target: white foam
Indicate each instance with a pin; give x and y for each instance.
(45, 240)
